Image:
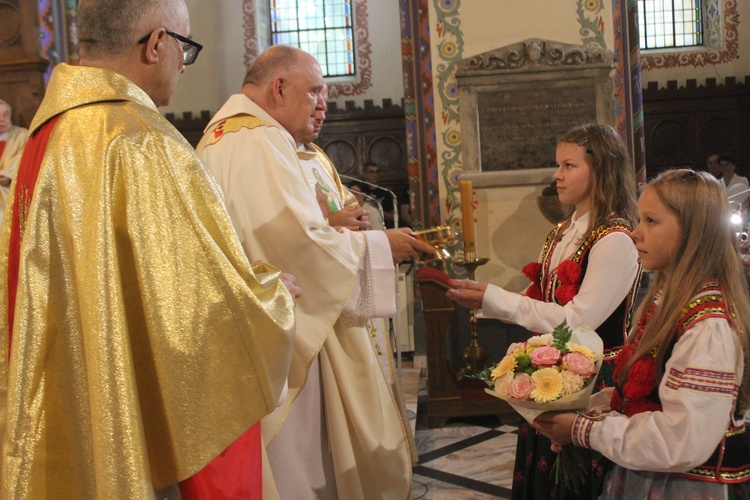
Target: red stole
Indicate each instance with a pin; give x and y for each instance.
(28, 171)
(2, 147)
(237, 472)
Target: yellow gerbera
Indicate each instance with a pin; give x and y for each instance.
(548, 385)
(507, 364)
(582, 349)
(518, 352)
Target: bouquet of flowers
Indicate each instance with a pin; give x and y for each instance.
(551, 372)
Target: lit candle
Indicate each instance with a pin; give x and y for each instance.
(467, 219)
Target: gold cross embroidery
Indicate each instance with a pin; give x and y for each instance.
(24, 202)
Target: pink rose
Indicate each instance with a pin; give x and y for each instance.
(521, 386)
(545, 356)
(579, 364)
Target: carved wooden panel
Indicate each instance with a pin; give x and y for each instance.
(18, 31)
(350, 137)
(21, 67)
(353, 136)
(684, 125)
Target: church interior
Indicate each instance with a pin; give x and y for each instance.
(446, 91)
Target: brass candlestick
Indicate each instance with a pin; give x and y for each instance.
(475, 355)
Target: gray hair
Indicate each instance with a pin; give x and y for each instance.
(10, 108)
(110, 27)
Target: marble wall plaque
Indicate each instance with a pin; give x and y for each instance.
(518, 128)
(516, 100)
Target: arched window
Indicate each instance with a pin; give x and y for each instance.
(323, 28)
(670, 23)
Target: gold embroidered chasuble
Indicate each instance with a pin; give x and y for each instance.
(144, 342)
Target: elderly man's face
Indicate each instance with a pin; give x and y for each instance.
(5, 122)
(320, 113)
(171, 65)
(302, 95)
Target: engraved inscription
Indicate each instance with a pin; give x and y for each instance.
(518, 128)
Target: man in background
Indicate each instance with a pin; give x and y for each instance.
(370, 172)
(137, 343)
(339, 433)
(712, 165)
(735, 185)
(12, 140)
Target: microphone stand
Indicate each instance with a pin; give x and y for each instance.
(375, 186)
(374, 200)
(735, 195)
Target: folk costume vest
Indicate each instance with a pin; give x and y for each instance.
(561, 284)
(730, 462)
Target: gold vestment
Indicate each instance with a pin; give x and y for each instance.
(143, 341)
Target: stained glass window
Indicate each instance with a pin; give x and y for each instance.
(322, 28)
(670, 23)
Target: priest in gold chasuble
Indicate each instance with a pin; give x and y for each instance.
(137, 343)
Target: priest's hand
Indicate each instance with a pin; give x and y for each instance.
(468, 293)
(556, 426)
(351, 217)
(288, 280)
(404, 246)
(4, 181)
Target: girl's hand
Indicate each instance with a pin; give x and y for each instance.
(468, 293)
(556, 426)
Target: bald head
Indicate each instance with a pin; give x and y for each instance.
(288, 84)
(278, 59)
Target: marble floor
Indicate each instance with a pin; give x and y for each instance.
(466, 459)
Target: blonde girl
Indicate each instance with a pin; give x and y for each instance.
(676, 428)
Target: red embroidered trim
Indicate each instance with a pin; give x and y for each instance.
(702, 380)
(581, 431)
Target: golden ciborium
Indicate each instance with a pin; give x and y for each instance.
(437, 237)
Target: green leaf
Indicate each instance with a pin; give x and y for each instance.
(561, 335)
(485, 374)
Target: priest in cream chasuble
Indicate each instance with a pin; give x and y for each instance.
(339, 432)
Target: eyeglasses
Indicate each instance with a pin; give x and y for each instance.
(190, 48)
